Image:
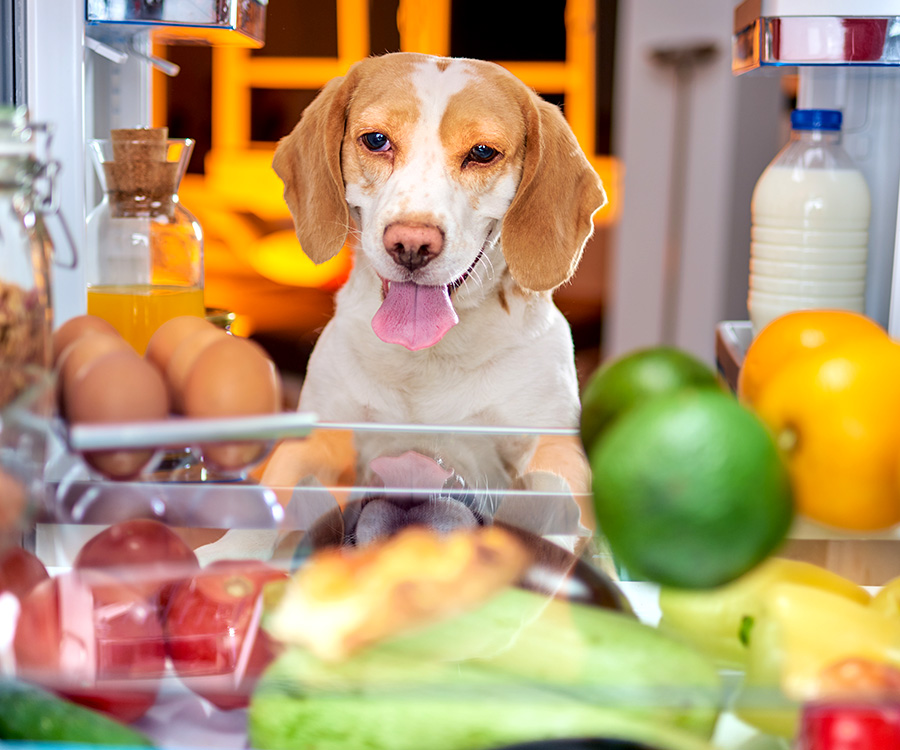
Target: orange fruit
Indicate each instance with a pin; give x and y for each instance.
(794, 334)
(834, 413)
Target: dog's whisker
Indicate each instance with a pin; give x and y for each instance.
(475, 273)
(353, 232)
(350, 228)
(489, 267)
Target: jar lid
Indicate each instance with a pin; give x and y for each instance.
(816, 119)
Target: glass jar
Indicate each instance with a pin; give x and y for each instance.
(145, 249)
(26, 250)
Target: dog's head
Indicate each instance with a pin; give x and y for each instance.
(438, 162)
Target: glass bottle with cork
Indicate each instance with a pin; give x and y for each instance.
(145, 249)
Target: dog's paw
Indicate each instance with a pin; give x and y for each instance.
(543, 504)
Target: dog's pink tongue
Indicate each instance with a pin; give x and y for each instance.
(414, 316)
(411, 470)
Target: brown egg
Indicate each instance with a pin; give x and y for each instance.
(232, 377)
(183, 358)
(169, 335)
(233, 457)
(78, 356)
(119, 386)
(76, 327)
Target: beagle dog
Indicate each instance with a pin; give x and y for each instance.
(467, 201)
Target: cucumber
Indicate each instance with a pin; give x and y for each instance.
(28, 712)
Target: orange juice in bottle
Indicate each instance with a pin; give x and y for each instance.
(137, 310)
(145, 250)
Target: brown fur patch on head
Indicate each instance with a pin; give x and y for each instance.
(485, 113)
(308, 160)
(386, 104)
(387, 92)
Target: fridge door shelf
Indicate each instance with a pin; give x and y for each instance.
(808, 32)
(240, 23)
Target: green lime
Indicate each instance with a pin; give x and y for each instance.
(690, 490)
(632, 379)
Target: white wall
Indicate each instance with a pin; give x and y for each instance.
(80, 95)
(55, 87)
(732, 133)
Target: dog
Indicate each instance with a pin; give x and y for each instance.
(467, 201)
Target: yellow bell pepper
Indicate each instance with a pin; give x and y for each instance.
(800, 633)
(719, 620)
(887, 600)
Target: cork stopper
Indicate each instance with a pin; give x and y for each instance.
(140, 179)
(139, 144)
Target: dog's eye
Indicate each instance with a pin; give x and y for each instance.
(376, 141)
(482, 154)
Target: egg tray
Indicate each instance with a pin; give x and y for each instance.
(55, 448)
(179, 489)
(30, 426)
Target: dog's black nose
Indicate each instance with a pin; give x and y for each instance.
(413, 245)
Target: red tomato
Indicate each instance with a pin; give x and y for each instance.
(212, 630)
(866, 725)
(94, 640)
(147, 554)
(20, 571)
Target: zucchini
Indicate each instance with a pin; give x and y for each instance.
(28, 712)
(521, 667)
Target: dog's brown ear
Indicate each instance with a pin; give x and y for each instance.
(308, 161)
(550, 219)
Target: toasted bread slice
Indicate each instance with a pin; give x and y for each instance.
(346, 598)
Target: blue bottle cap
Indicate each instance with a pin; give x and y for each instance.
(816, 119)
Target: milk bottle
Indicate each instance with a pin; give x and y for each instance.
(810, 225)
